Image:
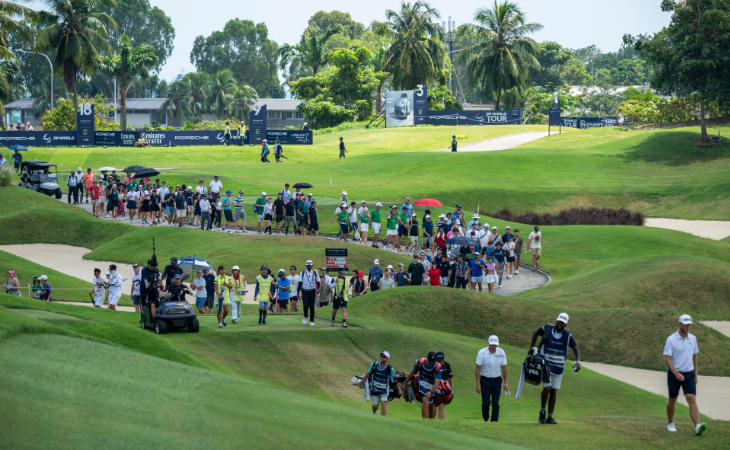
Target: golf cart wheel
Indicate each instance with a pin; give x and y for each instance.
(160, 326)
(58, 194)
(194, 325)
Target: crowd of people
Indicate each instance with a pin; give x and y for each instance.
(20, 127)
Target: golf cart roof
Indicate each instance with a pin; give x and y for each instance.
(37, 163)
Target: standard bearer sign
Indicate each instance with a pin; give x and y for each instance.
(85, 125)
(336, 259)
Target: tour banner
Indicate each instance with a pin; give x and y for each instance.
(398, 108)
(257, 124)
(591, 122)
(420, 105)
(336, 259)
(509, 117)
(293, 137)
(85, 125)
(37, 138)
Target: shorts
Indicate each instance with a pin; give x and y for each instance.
(113, 299)
(290, 220)
(338, 303)
(476, 279)
(94, 203)
(182, 213)
(413, 240)
(518, 255)
(391, 232)
(364, 227)
(200, 302)
(284, 303)
(99, 299)
(377, 399)
(267, 216)
(689, 385)
(314, 226)
(240, 215)
(136, 299)
(223, 301)
(536, 251)
(402, 231)
(427, 240)
(491, 278)
(263, 304)
(110, 206)
(131, 204)
(344, 228)
(376, 227)
(210, 299)
(279, 219)
(510, 259)
(169, 210)
(555, 381)
(261, 217)
(229, 215)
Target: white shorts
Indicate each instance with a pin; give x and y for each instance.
(413, 239)
(491, 278)
(555, 381)
(114, 298)
(98, 299)
(182, 213)
(391, 233)
(364, 227)
(376, 227)
(377, 399)
(476, 279)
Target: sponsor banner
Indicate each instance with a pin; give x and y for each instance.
(509, 117)
(336, 259)
(554, 112)
(398, 108)
(107, 138)
(291, 137)
(420, 105)
(85, 125)
(37, 138)
(257, 124)
(591, 122)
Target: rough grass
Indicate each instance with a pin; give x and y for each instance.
(575, 216)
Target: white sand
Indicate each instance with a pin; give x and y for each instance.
(713, 393)
(723, 326)
(710, 229)
(503, 142)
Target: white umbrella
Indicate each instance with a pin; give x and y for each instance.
(194, 263)
(107, 169)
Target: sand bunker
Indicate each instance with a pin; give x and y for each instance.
(710, 229)
(503, 142)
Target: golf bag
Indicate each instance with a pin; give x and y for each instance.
(534, 371)
(444, 393)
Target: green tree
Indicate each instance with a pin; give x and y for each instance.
(63, 115)
(309, 56)
(222, 87)
(128, 64)
(197, 86)
(241, 102)
(575, 72)
(416, 54)
(77, 32)
(321, 21)
(12, 17)
(552, 58)
(177, 105)
(691, 54)
(502, 57)
(244, 48)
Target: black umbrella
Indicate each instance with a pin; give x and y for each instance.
(462, 240)
(135, 168)
(303, 186)
(147, 173)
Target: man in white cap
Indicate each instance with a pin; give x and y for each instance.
(554, 347)
(380, 375)
(239, 291)
(374, 275)
(375, 221)
(491, 372)
(80, 183)
(387, 281)
(215, 186)
(115, 287)
(309, 283)
(474, 221)
(46, 290)
(680, 355)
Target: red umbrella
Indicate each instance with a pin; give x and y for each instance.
(428, 202)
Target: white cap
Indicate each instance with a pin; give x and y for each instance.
(475, 216)
(458, 222)
(493, 340)
(43, 278)
(385, 353)
(508, 227)
(441, 216)
(378, 204)
(389, 266)
(427, 216)
(494, 227)
(235, 268)
(344, 193)
(343, 204)
(685, 319)
(363, 201)
(486, 225)
(79, 169)
(563, 317)
(308, 263)
(377, 261)
(263, 193)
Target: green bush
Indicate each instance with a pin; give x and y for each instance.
(63, 116)
(659, 110)
(322, 114)
(7, 176)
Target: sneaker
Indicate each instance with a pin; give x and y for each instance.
(517, 272)
(220, 325)
(542, 416)
(311, 324)
(700, 428)
(259, 321)
(551, 421)
(344, 325)
(224, 323)
(264, 322)
(500, 285)
(234, 320)
(304, 320)
(671, 427)
(332, 323)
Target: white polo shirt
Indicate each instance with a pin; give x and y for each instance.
(215, 186)
(491, 363)
(681, 351)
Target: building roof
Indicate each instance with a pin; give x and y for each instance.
(21, 103)
(154, 104)
(143, 104)
(280, 104)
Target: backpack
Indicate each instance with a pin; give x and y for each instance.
(534, 369)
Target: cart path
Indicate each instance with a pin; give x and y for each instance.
(710, 229)
(713, 393)
(503, 142)
(119, 308)
(723, 326)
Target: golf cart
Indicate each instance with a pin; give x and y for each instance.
(170, 315)
(43, 177)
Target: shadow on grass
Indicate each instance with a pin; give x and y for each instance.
(675, 149)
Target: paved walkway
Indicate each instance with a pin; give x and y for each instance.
(710, 229)
(503, 142)
(713, 393)
(723, 326)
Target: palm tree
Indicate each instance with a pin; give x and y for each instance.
(502, 56)
(416, 54)
(378, 60)
(77, 33)
(222, 86)
(308, 55)
(177, 106)
(241, 102)
(12, 15)
(198, 90)
(129, 63)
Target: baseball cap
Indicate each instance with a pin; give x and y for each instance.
(173, 260)
(427, 216)
(440, 356)
(199, 271)
(377, 261)
(281, 271)
(362, 201)
(308, 262)
(458, 205)
(360, 274)
(178, 277)
(493, 340)
(263, 193)
(431, 356)
(215, 176)
(344, 193)
(112, 267)
(235, 268)
(475, 216)
(79, 169)
(229, 192)
(415, 215)
(263, 266)
(494, 227)
(563, 317)
(508, 227)
(378, 204)
(385, 353)
(685, 319)
(389, 266)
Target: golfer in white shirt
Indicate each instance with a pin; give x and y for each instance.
(491, 372)
(215, 186)
(680, 355)
(115, 287)
(99, 288)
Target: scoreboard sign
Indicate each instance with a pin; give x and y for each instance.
(336, 259)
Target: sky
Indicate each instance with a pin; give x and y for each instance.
(571, 23)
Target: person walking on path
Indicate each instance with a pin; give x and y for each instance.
(535, 242)
(554, 346)
(363, 222)
(222, 283)
(680, 355)
(491, 374)
(206, 221)
(340, 299)
(73, 193)
(429, 373)
(135, 292)
(264, 286)
(381, 374)
(448, 375)
(343, 150)
(209, 278)
(201, 295)
(294, 280)
(309, 283)
(239, 211)
(283, 286)
(258, 209)
(88, 180)
(519, 246)
(239, 292)
(375, 222)
(99, 289)
(115, 287)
